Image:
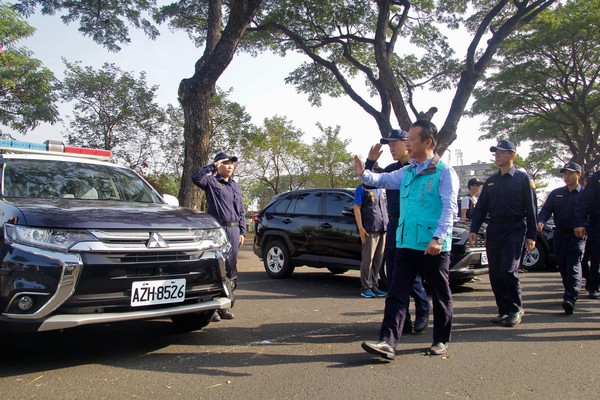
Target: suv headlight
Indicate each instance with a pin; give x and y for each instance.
(54, 239)
(212, 239)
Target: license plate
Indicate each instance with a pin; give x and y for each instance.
(147, 293)
(484, 260)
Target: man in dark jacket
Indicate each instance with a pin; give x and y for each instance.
(587, 222)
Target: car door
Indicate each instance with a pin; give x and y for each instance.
(339, 237)
(301, 222)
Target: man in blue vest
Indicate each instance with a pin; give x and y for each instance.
(428, 191)
(397, 142)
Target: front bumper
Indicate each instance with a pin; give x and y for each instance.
(74, 289)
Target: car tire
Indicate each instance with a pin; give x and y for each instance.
(337, 271)
(535, 260)
(276, 259)
(191, 322)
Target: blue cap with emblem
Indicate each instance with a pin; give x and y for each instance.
(504, 145)
(395, 134)
(225, 156)
(571, 166)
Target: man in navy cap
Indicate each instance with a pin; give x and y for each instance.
(397, 144)
(587, 222)
(224, 202)
(568, 248)
(509, 198)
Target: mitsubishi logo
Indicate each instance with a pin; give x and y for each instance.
(156, 241)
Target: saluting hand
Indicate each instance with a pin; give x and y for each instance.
(375, 152)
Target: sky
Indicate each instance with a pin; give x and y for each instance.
(257, 83)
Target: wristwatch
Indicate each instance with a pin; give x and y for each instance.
(438, 239)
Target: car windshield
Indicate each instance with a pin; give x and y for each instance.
(53, 179)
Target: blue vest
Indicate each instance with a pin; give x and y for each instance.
(420, 207)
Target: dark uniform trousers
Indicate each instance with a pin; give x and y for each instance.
(233, 235)
(504, 243)
(435, 269)
(594, 273)
(418, 293)
(568, 250)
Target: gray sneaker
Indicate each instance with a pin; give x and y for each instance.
(437, 349)
(514, 318)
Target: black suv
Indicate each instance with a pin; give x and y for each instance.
(89, 242)
(316, 228)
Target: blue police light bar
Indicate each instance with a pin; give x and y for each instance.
(54, 147)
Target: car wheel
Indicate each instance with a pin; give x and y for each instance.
(535, 260)
(276, 258)
(337, 271)
(192, 322)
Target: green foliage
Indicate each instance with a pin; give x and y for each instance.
(27, 94)
(331, 164)
(164, 182)
(276, 156)
(545, 86)
(106, 22)
(113, 110)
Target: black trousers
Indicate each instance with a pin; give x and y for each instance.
(407, 264)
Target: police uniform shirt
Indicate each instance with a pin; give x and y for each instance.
(223, 198)
(589, 204)
(561, 202)
(508, 198)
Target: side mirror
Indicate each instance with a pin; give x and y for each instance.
(170, 200)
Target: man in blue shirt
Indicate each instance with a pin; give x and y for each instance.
(371, 220)
(224, 203)
(397, 142)
(587, 222)
(568, 248)
(509, 198)
(428, 191)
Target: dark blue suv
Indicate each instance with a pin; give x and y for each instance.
(316, 228)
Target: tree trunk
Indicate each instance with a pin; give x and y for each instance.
(195, 93)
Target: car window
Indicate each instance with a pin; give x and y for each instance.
(282, 206)
(337, 203)
(52, 179)
(306, 204)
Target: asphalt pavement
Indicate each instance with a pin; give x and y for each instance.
(299, 338)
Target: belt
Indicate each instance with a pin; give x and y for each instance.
(230, 223)
(508, 220)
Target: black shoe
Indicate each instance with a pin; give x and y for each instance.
(499, 319)
(421, 323)
(381, 349)
(594, 295)
(226, 314)
(568, 306)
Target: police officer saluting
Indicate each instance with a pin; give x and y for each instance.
(509, 199)
(568, 247)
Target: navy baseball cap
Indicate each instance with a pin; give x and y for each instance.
(395, 134)
(225, 156)
(571, 166)
(504, 145)
(474, 181)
